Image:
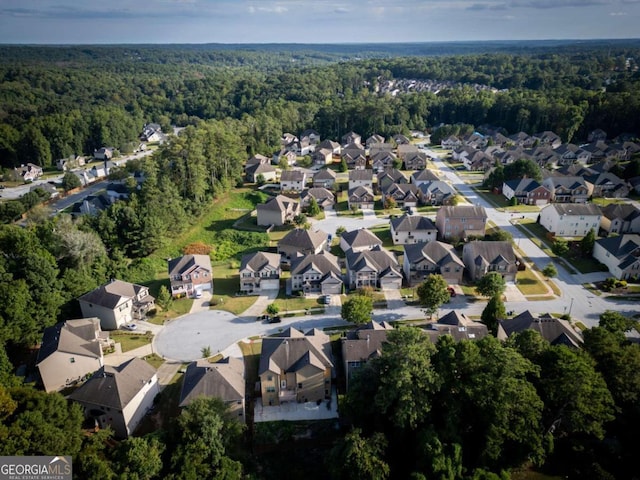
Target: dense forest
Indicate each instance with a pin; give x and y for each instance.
(467, 410)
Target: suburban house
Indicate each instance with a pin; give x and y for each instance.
(570, 220)
(152, 133)
(359, 240)
(389, 177)
(285, 158)
(423, 259)
(424, 176)
(50, 189)
(376, 148)
(403, 194)
(412, 229)
(458, 325)
(295, 367)
(322, 156)
(310, 137)
(277, 211)
(190, 274)
(335, 147)
(406, 150)
(91, 205)
(316, 273)
(597, 135)
(527, 191)
(356, 160)
(620, 254)
(71, 162)
(401, 139)
(450, 142)
(554, 330)
(568, 189)
(361, 198)
(620, 218)
(475, 139)
(116, 303)
(607, 184)
(104, 153)
(292, 181)
(415, 161)
(258, 159)
(377, 268)
(482, 257)
(373, 139)
(223, 379)
(325, 198)
(69, 352)
(361, 345)
(480, 161)
(119, 397)
(302, 242)
(548, 138)
(383, 160)
(28, 172)
(324, 178)
(351, 137)
(522, 139)
(115, 191)
(461, 221)
(259, 272)
(436, 192)
(360, 178)
(267, 171)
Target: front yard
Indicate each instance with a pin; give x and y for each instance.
(226, 283)
(130, 341)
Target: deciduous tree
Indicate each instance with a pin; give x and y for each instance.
(491, 285)
(433, 292)
(357, 309)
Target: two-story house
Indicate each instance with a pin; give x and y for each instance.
(260, 272)
(69, 352)
(324, 178)
(317, 274)
(351, 137)
(302, 242)
(527, 191)
(620, 218)
(482, 257)
(190, 274)
(461, 221)
(409, 229)
(360, 178)
(424, 176)
(620, 254)
(570, 220)
(119, 397)
(423, 259)
(458, 326)
(116, 303)
(450, 142)
(554, 330)
(28, 172)
(436, 192)
(295, 367)
(293, 181)
(568, 189)
(361, 345)
(376, 268)
(277, 211)
(390, 177)
(322, 157)
(361, 198)
(359, 240)
(258, 171)
(382, 161)
(324, 197)
(403, 194)
(223, 379)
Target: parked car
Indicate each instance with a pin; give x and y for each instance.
(198, 294)
(326, 299)
(275, 319)
(452, 292)
(263, 318)
(130, 326)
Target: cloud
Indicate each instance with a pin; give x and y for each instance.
(617, 14)
(545, 4)
(487, 6)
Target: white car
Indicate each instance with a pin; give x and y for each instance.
(130, 326)
(199, 294)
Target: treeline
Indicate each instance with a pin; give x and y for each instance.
(50, 112)
(478, 409)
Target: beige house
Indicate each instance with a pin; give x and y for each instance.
(267, 171)
(461, 221)
(295, 367)
(324, 197)
(322, 156)
(412, 229)
(568, 189)
(117, 303)
(456, 325)
(360, 178)
(190, 274)
(620, 218)
(277, 211)
(223, 379)
(69, 352)
(324, 178)
(361, 345)
(377, 268)
(620, 254)
(316, 273)
(119, 397)
(361, 198)
(259, 272)
(292, 181)
(302, 242)
(423, 259)
(570, 220)
(359, 240)
(28, 172)
(482, 257)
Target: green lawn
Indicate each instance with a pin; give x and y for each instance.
(342, 210)
(499, 201)
(154, 360)
(529, 284)
(288, 304)
(226, 282)
(130, 341)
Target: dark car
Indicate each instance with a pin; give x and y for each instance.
(263, 318)
(275, 319)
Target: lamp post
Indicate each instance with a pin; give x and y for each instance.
(571, 306)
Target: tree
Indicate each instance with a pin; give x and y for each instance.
(493, 313)
(272, 309)
(314, 209)
(616, 323)
(343, 165)
(139, 458)
(560, 247)
(586, 244)
(340, 230)
(205, 351)
(389, 202)
(300, 219)
(164, 300)
(260, 180)
(355, 456)
(550, 270)
(357, 309)
(499, 235)
(491, 285)
(433, 292)
(70, 181)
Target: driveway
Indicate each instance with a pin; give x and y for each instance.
(332, 221)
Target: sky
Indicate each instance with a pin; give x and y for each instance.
(312, 21)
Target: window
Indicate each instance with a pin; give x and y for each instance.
(300, 385)
(72, 360)
(269, 378)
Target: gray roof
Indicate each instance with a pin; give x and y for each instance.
(78, 337)
(438, 186)
(324, 262)
(361, 175)
(292, 176)
(576, 208)
(491, 252)
(412, 223)
(185, 263)
(380, 259)
(111, 294)
(458, 325)
(257, 261)
(567, 182)
(223, 379)
(303, 239)
(293, 350)
(365, 342)
(554, 330)
(523, 184)
(325, 174)
(360, 238)
(625, 211)
(625, 248)
(424, 174)
(437, 252)
(258, 168)
(462, 211)
(277, 204)
(360, 191)
(395, 175)
(321, 194)
(115, 387)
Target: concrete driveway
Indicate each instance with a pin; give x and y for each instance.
(332, 221)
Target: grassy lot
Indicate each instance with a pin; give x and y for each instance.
(154, 360)
(603, 202)
(130, 341)
(342, 210)
(383, 232)
(529, 284)
(251, 353)
(428, 209)
(288, 304)
(226, 282)
(499, 201)
(278, 233)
